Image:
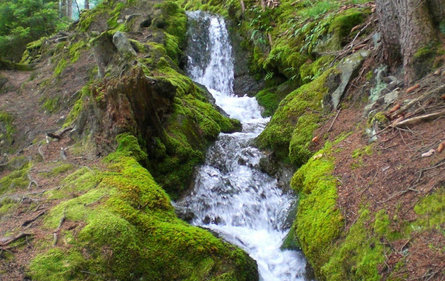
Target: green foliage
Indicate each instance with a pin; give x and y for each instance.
(23, 21)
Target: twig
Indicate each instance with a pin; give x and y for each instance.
(333, 121)
(28, 222)
(420, 98)
(56, 233)
(32, 181)
(417, 119)
(9, 240)
(41, 152)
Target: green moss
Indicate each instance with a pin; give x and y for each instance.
(358, 257)
(318, 222)
(431, 211)
(128, 146)
(299, 146)
(60, 168)
(60, 67)
(6, 127)
(15, 179)
(362, 151)
(131, 232)
(279, 131)
(78, 106)
(75, 49)
(56, 265)
(343, 23)
(51, 104)
(80, 181)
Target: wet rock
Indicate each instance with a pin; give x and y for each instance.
(244, 83)
(184, 213)
(123, 45)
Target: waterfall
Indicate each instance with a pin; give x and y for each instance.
(231, 196)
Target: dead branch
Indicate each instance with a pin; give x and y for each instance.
(417, 119)
(56, 233)
(41, 152)
(31, 182)
(28, 222)
(8, 240)
(60, 135)
(333, 121)
(421, 98)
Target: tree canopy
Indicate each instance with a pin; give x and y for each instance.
(23, 21)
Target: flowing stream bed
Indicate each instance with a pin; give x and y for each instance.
(231, 196)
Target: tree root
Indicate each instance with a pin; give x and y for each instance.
(8, 240)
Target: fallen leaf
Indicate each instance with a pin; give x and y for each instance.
(429, 153)
(411, 89)
(394, 108)
(441, 147)
(315, 139)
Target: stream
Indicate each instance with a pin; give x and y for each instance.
(231, 196)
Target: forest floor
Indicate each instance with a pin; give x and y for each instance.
(22, 227)
(403, 165)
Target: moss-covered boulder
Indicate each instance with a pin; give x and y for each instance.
(289, 133)
(128, 230)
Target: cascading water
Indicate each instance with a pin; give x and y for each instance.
(231, 195)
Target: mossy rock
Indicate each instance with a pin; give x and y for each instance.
(318, 222)
(304, 100)
(131, 232)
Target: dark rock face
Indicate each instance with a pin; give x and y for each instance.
(134, 103)
(244, 83)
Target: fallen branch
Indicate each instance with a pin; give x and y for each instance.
(56, 233)
(421, 98)
(333, 121)
(31, 182)
(8, 240)
(60, 135)
(28, 222)
(414, 120)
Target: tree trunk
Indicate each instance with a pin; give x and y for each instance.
(62, 8)
(87, 5)
(389, 27)
(69, 10)
(407, 26)
(416, 31)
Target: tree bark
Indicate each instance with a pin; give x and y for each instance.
(62, 8)
(407, 26)
(87, 5)
(69, 10)
(389, 27)
(416, 31)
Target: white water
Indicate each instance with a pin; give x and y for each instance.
(231, 195)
